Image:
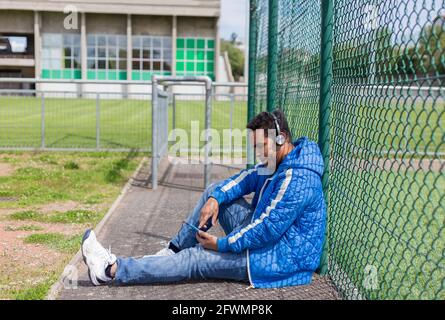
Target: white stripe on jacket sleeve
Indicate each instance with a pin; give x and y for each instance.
(238, 179)
(272, 206)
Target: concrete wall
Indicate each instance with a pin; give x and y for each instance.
(196, 27)
(206, 8)
(16, 21)
(152, 25)
(52, 22)
(106, 23)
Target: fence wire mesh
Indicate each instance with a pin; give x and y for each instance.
(386, 235)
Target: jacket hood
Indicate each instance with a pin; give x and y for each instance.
(306, 155)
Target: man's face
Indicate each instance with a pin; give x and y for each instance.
(265, 148)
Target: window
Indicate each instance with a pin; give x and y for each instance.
(195, 56)
(61, 56)
(107, 57)
(151, 55)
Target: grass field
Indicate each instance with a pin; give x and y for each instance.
(47, 200)
(71, 123)
(393, 221)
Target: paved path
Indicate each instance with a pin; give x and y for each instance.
(145, 220)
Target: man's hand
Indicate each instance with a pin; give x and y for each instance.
(207, 240)
(209, 210)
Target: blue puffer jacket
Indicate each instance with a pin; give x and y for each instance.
(285, 237)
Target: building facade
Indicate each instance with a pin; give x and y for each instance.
(109, 39)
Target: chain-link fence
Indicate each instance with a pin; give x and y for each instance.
(381, 78)
(108, 116)
(229, 118)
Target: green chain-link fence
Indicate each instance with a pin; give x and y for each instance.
(379, 119)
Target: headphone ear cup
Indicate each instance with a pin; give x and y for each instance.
(280, 140)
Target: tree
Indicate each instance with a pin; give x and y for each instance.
(236, 58)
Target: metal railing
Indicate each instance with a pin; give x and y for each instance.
(159, 113)
(77, 115)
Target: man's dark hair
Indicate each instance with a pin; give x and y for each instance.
(265, 120)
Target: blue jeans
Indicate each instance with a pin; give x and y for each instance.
(192, 261)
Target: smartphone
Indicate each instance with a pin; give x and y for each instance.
(191, 226)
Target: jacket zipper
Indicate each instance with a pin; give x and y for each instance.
(248, 259)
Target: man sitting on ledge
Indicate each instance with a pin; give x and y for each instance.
(275, 241)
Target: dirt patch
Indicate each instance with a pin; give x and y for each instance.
(59, 207)
(66, 229)
(6, 170)
(22, 263)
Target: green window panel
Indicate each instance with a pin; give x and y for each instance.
(135, 75)
(190, 43)
(112, 75)
(210, 55)
(180, 66)
(56, 74)
(200, 55)
(210, 66)
(67, 74)
(180, 54)
(77, 74)
(46, 74)
(190, 66)
(180, 43)
(190, 55)
(122, 75)
(210, 44)
(200, 66)
(91, 74)
(201, 43)
(146, 76)
(101, 75)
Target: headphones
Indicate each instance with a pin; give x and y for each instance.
(279, 139)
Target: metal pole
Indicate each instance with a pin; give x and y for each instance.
(325, 110)
(43, 122)
(272, 61)
(154, 151)
(208, 125)
(232, 105)
(174, 114)
(97, 121)
(251, 78)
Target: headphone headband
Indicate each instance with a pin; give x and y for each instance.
(279, 138)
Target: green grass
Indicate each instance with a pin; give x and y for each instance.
(393, 221)
(71, 123)
(45, 178)
(56, 241)
(71, 216)
(91, 181)
(37, 291)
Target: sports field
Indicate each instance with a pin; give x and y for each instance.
(122, 123)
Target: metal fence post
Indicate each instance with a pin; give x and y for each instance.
(272, 61)
(325, 110)
(174, 115)
(97, 121)
(252, 75)
(208, 126)
(43, 122)
(232, 106)
(154, 151)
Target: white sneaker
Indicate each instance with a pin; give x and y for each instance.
(97, 258)
(165, 252)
